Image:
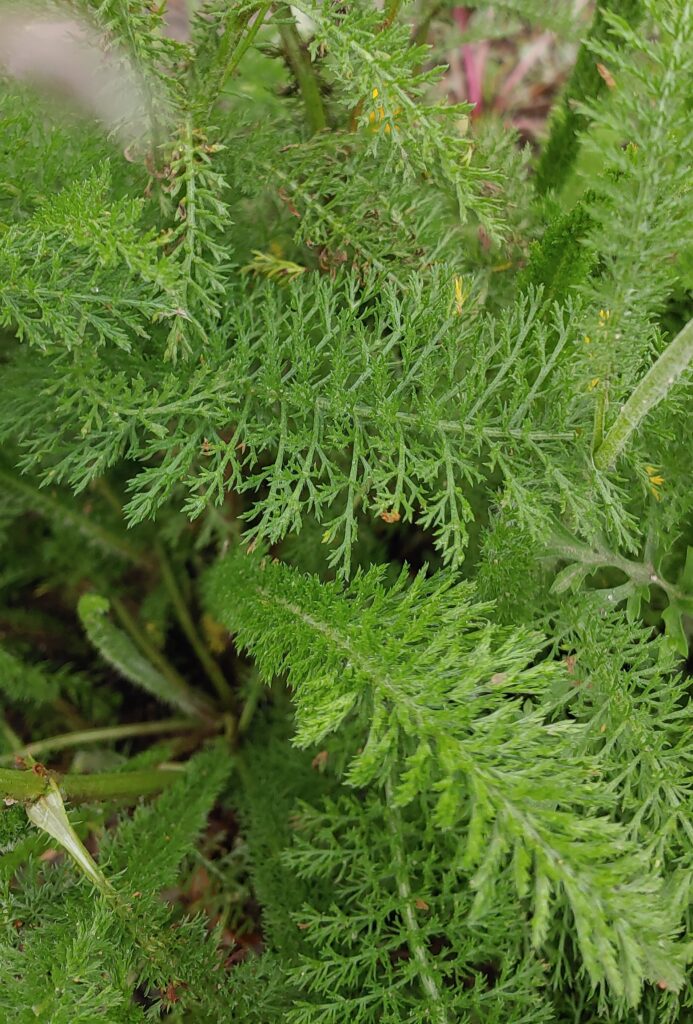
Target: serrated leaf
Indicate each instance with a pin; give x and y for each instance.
(570, 578)
(118, 650)
(521, 863)
(542, 904)
(675, 633)
(327, 712)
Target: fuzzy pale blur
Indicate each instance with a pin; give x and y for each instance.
(66, 57)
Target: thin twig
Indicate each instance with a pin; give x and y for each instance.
(212, 670)
(100, 735)
(147, 648)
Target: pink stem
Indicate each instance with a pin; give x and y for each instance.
(473, 61)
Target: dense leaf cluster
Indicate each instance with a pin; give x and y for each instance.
(353, 436)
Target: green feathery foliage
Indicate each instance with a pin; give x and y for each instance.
(431, 683)
(355, 436)
(79, 964)
(587, 80)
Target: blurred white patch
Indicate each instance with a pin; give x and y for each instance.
(65, 57)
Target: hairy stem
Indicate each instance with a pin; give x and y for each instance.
(212, 670)
(178, 343)
(655, 385)
(599, 418)
(30, 785)
(302, 67)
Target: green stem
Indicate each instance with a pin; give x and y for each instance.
(186, 241)
(391, 11)
(599, 418)
(655, 385)
(190, 202)
(70, 713)
(212, 670)
(11, 737)
(251, 703)
(642, 573)
(102, 487)
(53, 508)
(415, 940)
(302, 67)
(30, 785)
(102, 735)
(229, 58)
(150, 651)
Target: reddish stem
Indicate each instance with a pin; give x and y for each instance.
(473, 61)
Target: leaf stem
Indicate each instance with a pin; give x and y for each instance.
(11, 737)
(150, 651)
(599, 418)
(101, 735)
(655, 385)
(251, 702)
(30, 785)
(391, 11)
(212, 670)
(103, 487)
(420, 32)
(231, 58)
(302, 67)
